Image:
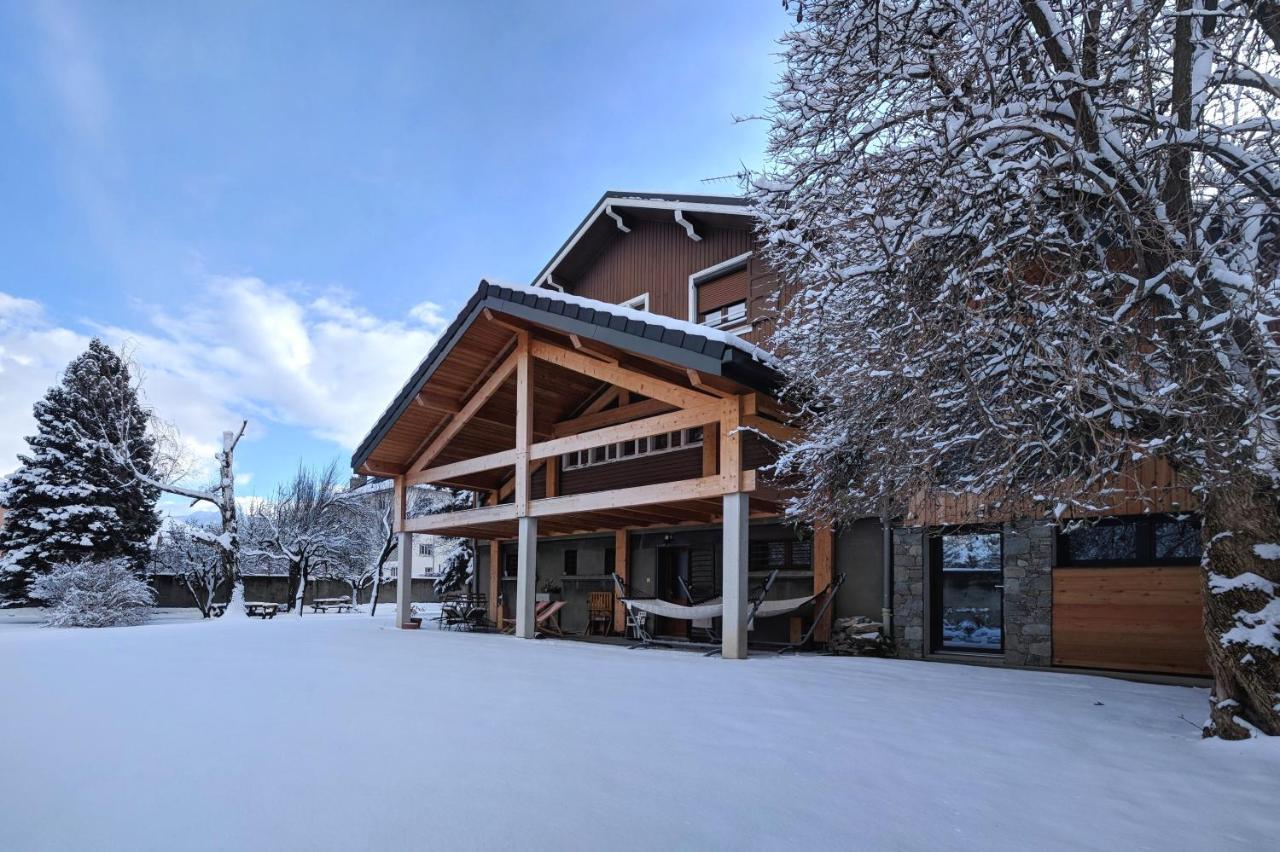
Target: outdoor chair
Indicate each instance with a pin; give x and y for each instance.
(600, 612)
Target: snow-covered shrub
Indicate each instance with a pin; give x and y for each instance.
(90, 593)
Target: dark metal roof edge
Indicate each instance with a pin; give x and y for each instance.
(650, 339)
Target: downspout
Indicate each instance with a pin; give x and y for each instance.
(548, 281)
(886, 602)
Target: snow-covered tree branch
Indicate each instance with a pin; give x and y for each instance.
(1029, 246)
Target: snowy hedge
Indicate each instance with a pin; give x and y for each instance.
(92, 593)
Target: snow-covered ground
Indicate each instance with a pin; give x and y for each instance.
(340, 732)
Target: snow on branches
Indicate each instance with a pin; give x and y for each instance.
(89, 593)
(1027, 246)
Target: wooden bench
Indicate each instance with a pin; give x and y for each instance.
(216, 610)
(326, 604)
(260, 609)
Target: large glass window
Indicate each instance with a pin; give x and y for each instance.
(1141, 540)
(968, 591)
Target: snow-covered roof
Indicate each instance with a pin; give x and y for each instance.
(652, 319)
(675, 341)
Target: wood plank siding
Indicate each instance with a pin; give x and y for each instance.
(657, 258)
(1150, 486)
(1129, 619)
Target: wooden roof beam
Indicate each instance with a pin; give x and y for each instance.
(467, 411)
(650, 386)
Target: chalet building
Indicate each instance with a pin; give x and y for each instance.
(616, 415)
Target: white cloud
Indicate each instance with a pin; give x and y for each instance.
(240, 348)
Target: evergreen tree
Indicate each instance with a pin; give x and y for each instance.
(73, 498)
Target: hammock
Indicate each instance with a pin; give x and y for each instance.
(702, 613)
(713, 608)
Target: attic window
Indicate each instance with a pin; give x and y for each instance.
(718, 295)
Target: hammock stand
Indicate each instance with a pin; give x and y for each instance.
(828, 596)
(637, 607)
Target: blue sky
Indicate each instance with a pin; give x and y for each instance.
(277, 206)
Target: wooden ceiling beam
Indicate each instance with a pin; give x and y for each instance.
(473, 404)
(647, 385)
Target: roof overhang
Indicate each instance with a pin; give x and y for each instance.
(680, 344)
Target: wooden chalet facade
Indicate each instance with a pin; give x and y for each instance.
(598, 415)
(606, 406)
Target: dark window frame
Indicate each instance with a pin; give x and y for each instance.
(1146, 541)
(570, 562)
(935, 586)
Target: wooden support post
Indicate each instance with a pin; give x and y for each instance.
(404, 582)
(731, 439)
(824, 566)
(524, 424)
(622, 567)
(737, 508)
(495, 582)
(553, 476)
(400, 496)
(526, 577)
(710, 449)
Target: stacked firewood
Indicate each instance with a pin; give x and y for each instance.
(857, 636)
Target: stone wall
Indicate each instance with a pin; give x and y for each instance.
(908, 592)
(1028, 594)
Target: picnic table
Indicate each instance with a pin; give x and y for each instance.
(217, 609)
(342, 604)
(261, 609)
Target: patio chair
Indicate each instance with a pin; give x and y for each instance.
(509, 621)
(600, 612)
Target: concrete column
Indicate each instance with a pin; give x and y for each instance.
(404, 581)
(736, 582)
(526, 577)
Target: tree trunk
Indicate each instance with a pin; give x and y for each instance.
(1241, 610)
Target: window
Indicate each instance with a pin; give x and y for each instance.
(639, 303)
(1145, 540)
(510, 563)
(784, 555)
(425, 550)
(967, 590)
(664, 443)
(571, 563)
(728, 315)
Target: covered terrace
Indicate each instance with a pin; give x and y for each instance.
(524, 377)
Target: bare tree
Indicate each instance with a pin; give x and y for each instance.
(373, 511)
(183, 551)
(1028, 247)
(301, 527)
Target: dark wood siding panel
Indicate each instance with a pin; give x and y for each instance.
(657, 258)
(1129, 619)
(764, 300)
(724, 290)
(757, 452)
(646, 470)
